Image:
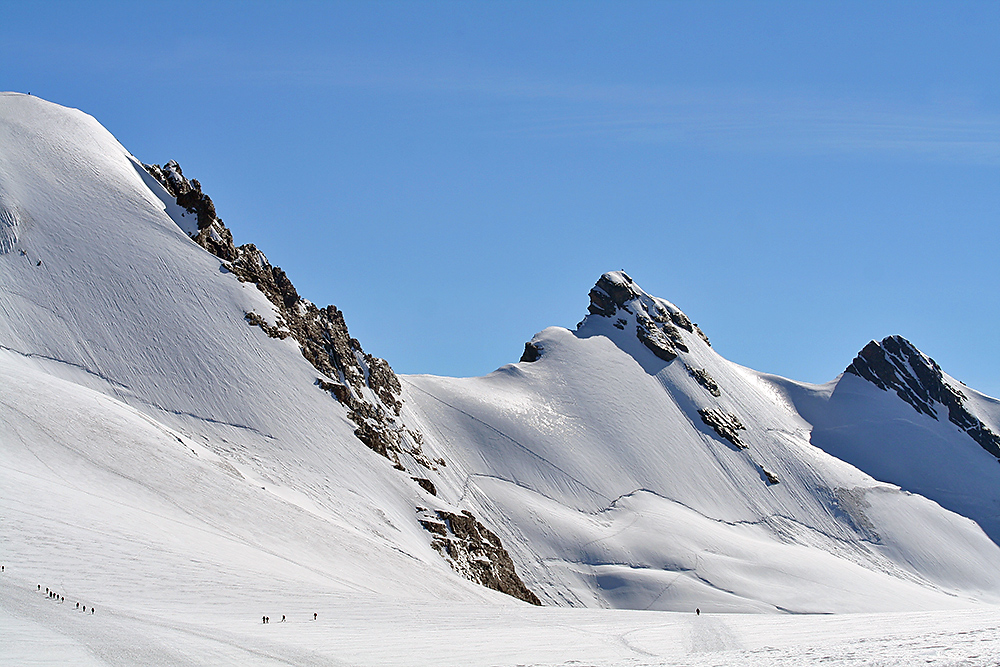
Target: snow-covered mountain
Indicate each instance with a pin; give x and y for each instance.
(628, 464)
(182, 435)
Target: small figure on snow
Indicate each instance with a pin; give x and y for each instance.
(282, 618)
(314, 616)
(697, 612)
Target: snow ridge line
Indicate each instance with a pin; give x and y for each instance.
(35, 355)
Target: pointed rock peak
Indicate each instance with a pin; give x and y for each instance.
(896, 364)
(658, 324)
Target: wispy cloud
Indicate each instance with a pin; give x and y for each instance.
(792, 122)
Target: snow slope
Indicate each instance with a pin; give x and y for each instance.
(881, 434)
(102, 292)
(610, 488)
(180, 471)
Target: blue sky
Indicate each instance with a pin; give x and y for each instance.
(798, 177)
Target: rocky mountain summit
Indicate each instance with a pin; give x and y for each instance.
(657, 321)
(896, 364)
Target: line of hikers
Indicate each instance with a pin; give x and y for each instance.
(267, 619)
(62, 598)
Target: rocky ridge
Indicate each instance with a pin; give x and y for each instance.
(895, 364)
(364, 384)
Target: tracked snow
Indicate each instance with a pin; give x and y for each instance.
(183, 474)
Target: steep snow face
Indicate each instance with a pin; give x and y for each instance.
(629, 465)
(101, 291)
(896, 415)
(895, 364)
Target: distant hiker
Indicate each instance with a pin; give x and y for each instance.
(77, 605)
(314, 616)
(282, 618)
(91, 610)
(39, 263)
(62, 598)
(39, 587)
(84, 609)
(697, 612)
(263, 619)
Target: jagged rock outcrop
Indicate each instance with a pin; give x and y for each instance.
(724, 424)
(475, 552)
(532, 352)
(658, 323)
(702, 377)
(212, 234)
(365, 385)
(321, 332)
(896, 364)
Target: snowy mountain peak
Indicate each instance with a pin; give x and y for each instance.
(896, 364)
(659, 325)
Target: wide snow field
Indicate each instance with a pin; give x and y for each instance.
(222, 630)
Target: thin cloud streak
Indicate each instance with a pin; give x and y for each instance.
(715, 119)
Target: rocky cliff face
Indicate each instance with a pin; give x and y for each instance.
(364, 384)
(895, 364)
(474, 551)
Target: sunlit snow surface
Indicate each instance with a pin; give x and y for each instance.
(179, 471)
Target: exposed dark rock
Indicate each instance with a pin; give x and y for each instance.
(771, 477)
(436, 527)
(702, 377)
(321, 332)
(658, 323)
(617, 286)
(681, 320)
(701, 334)
(895, 364)
(272, 331)
(532, 352)
(724, 424)
(656, 342)
(426, 484)
(475, 552)
(601, 303)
